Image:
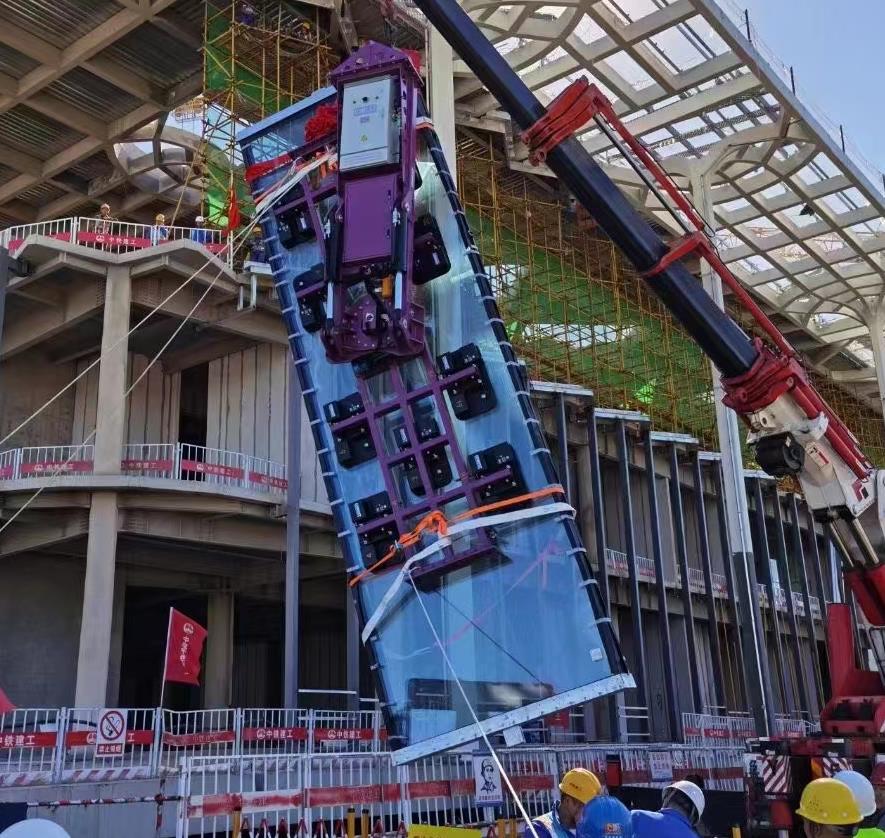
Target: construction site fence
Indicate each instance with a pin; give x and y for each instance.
(365, 794)
(71, 745)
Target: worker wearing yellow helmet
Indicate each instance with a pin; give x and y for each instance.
(577, 788)
(829, 809)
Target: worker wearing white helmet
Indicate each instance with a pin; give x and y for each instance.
(865, 795)
(682, 805)
(34, 828)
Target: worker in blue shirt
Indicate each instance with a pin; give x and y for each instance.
(577, 788)
(682, 805)
(605, 817)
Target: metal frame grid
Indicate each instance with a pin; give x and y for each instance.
(574, 309)
(799, 212)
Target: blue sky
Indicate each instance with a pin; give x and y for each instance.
(837, 49)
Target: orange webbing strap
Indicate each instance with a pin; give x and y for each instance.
(438, 523)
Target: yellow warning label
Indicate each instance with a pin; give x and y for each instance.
(422, 830)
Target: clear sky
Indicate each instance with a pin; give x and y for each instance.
(837, 50)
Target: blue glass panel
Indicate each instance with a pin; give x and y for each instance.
(520, 624)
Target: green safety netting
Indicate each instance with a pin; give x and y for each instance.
(574, 327)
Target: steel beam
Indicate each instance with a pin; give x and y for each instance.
(292, 598)
(783, 564)
(816, 565)
(673, 716)
(799, 553)
(562, 447)
(598, 511)
(682, 557)
(762, 531)
(639, 661)
(704, 543)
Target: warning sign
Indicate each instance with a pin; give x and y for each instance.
(421, 830)
(487, 781)
(660, 764)
(110, 737)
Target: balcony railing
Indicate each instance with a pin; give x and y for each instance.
(115, 236)
(616, 563)
(170, 461)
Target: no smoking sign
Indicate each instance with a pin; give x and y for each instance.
(110, 736)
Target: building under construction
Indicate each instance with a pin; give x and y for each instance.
(155, 452)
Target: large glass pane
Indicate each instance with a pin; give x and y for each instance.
(517, 622)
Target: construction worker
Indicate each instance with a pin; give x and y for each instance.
(682, 805)
(878, 781)
(605, 817)
(829, 809)
(864, 794)
(577, 787)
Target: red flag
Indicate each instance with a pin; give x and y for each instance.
(6, 706)
(184, 646)
(233, 211)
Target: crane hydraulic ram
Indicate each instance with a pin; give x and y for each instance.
(792, 430)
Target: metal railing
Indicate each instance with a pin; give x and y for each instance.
(164, 460)
(312, 794)
(41, 746)
(617, 563)
(710, 729)
(116, 236)
(780, 595)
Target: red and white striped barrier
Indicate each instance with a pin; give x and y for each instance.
(314, 793)
(41, 746)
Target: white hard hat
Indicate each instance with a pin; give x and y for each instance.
(34, 828)
(691, 791)
(861, 788)
(199, 219)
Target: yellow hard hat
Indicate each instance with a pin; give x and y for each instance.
(581, 784)
(829, 802)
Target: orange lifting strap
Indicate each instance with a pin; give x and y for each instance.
(437, 522)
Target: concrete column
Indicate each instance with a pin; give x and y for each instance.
(736, 506)
(98, 603)
(110, 423)
(442, 94)
(115, 663)
(219, 650)
(98, 590)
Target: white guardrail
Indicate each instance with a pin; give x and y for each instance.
(313, 794)
(70, 745)
(116, 236)
(171, 461)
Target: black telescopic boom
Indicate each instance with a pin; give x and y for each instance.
(714, 331)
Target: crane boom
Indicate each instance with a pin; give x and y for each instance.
(792, 429)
